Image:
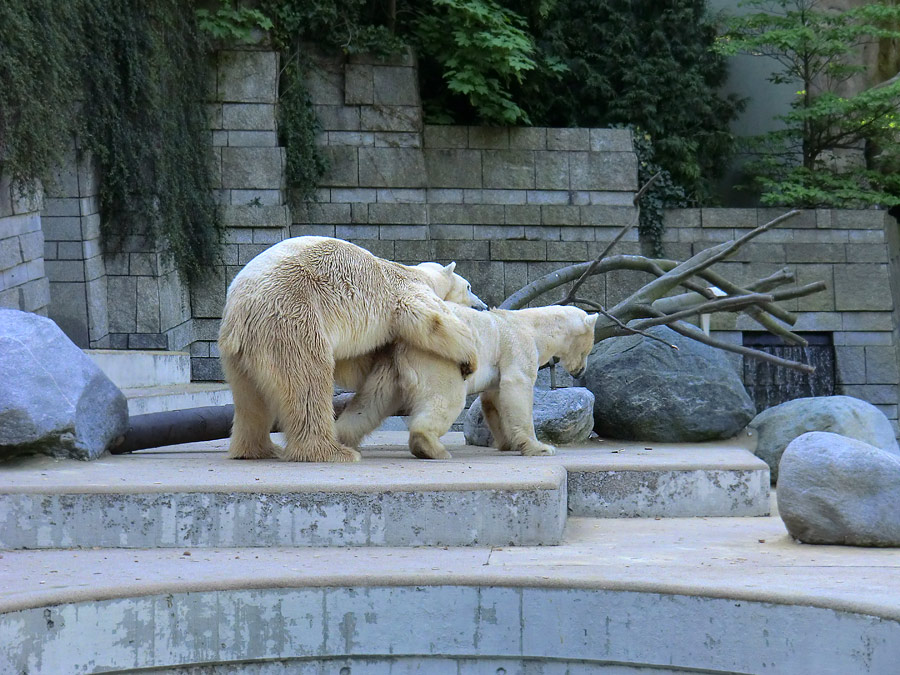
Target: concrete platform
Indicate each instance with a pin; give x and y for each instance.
(624, 479)
(129, 368)
(723, 595)
(144, 400)
(191, 495)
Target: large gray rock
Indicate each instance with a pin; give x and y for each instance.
(844, 415)
(53, 398)
(837, 490)
(561, 417)
(647, 391)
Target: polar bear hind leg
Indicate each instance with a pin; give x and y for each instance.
(295, 368)
(252, 416)
(431, 417)
(377, 398)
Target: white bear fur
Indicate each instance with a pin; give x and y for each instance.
(307, 302)
(511, 347)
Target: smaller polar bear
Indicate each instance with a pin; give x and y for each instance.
(307, 304)
(511, 346)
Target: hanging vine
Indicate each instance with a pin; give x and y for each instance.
(131, 72)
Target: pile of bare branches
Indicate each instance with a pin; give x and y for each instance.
(653, 304)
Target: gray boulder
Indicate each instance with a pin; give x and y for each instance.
(53, 399)
(647, 391)
(561, 417)
(844, 415)
(837, 490)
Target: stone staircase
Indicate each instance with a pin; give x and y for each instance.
(610, 557)
(158, 381)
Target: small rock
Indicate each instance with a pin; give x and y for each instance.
(838, 490)
(561, 417)
(646, 391)
(54, 400)
(779, 425)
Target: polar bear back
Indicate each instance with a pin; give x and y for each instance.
(344, 289)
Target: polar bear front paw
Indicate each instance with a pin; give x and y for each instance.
(536, 449)
(425, 446)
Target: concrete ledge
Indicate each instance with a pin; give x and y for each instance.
(143, 400)
(624, 479)
(180, 498)
(469, 629)
(134, 368)
(732, 595)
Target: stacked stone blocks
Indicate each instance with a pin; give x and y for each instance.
(249, 170)
(73, 252)
(23, 282)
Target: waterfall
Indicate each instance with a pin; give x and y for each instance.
(769, 385)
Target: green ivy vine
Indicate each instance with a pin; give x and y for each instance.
(127, 79)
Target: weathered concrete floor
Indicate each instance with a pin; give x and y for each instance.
(386, 463)
(739, 558)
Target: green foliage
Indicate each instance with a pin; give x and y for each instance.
(127, 78)
(663, 194)
(806, 163)
(144, 77)
(644, 63)
(480, 49)
(297, 127)
(232, 22)
(352, 26)
(39, 73)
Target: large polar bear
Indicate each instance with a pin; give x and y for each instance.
(307, 302)
(511, 346)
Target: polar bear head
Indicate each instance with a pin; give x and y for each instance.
(580, 330)
(449, 286)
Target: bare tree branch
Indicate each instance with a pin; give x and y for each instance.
(625, 330)
(700, 336)
(726, 304)
(609, 247)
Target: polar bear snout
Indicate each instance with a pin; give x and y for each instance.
(476, 303)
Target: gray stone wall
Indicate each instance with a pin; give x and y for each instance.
(73, 253)
(249, 174)
(127, 298)
(849, 250)
(23, 282)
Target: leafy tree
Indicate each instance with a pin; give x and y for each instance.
(644, 63)
(806, 163)
(479, 49)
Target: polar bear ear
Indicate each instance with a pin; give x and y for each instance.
(448, 270)
(591, 320)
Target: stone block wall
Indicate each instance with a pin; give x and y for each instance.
(23, 282)
(507, 204)
(249, 174)
(849, 250)
(73, 253)
(127, 298)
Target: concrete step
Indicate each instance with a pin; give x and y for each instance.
(192, 495)
(135, 368)
(669, 597)
(143, 400)
(626, 479)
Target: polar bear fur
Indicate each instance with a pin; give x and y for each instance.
(511, 346)
(307, 302)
